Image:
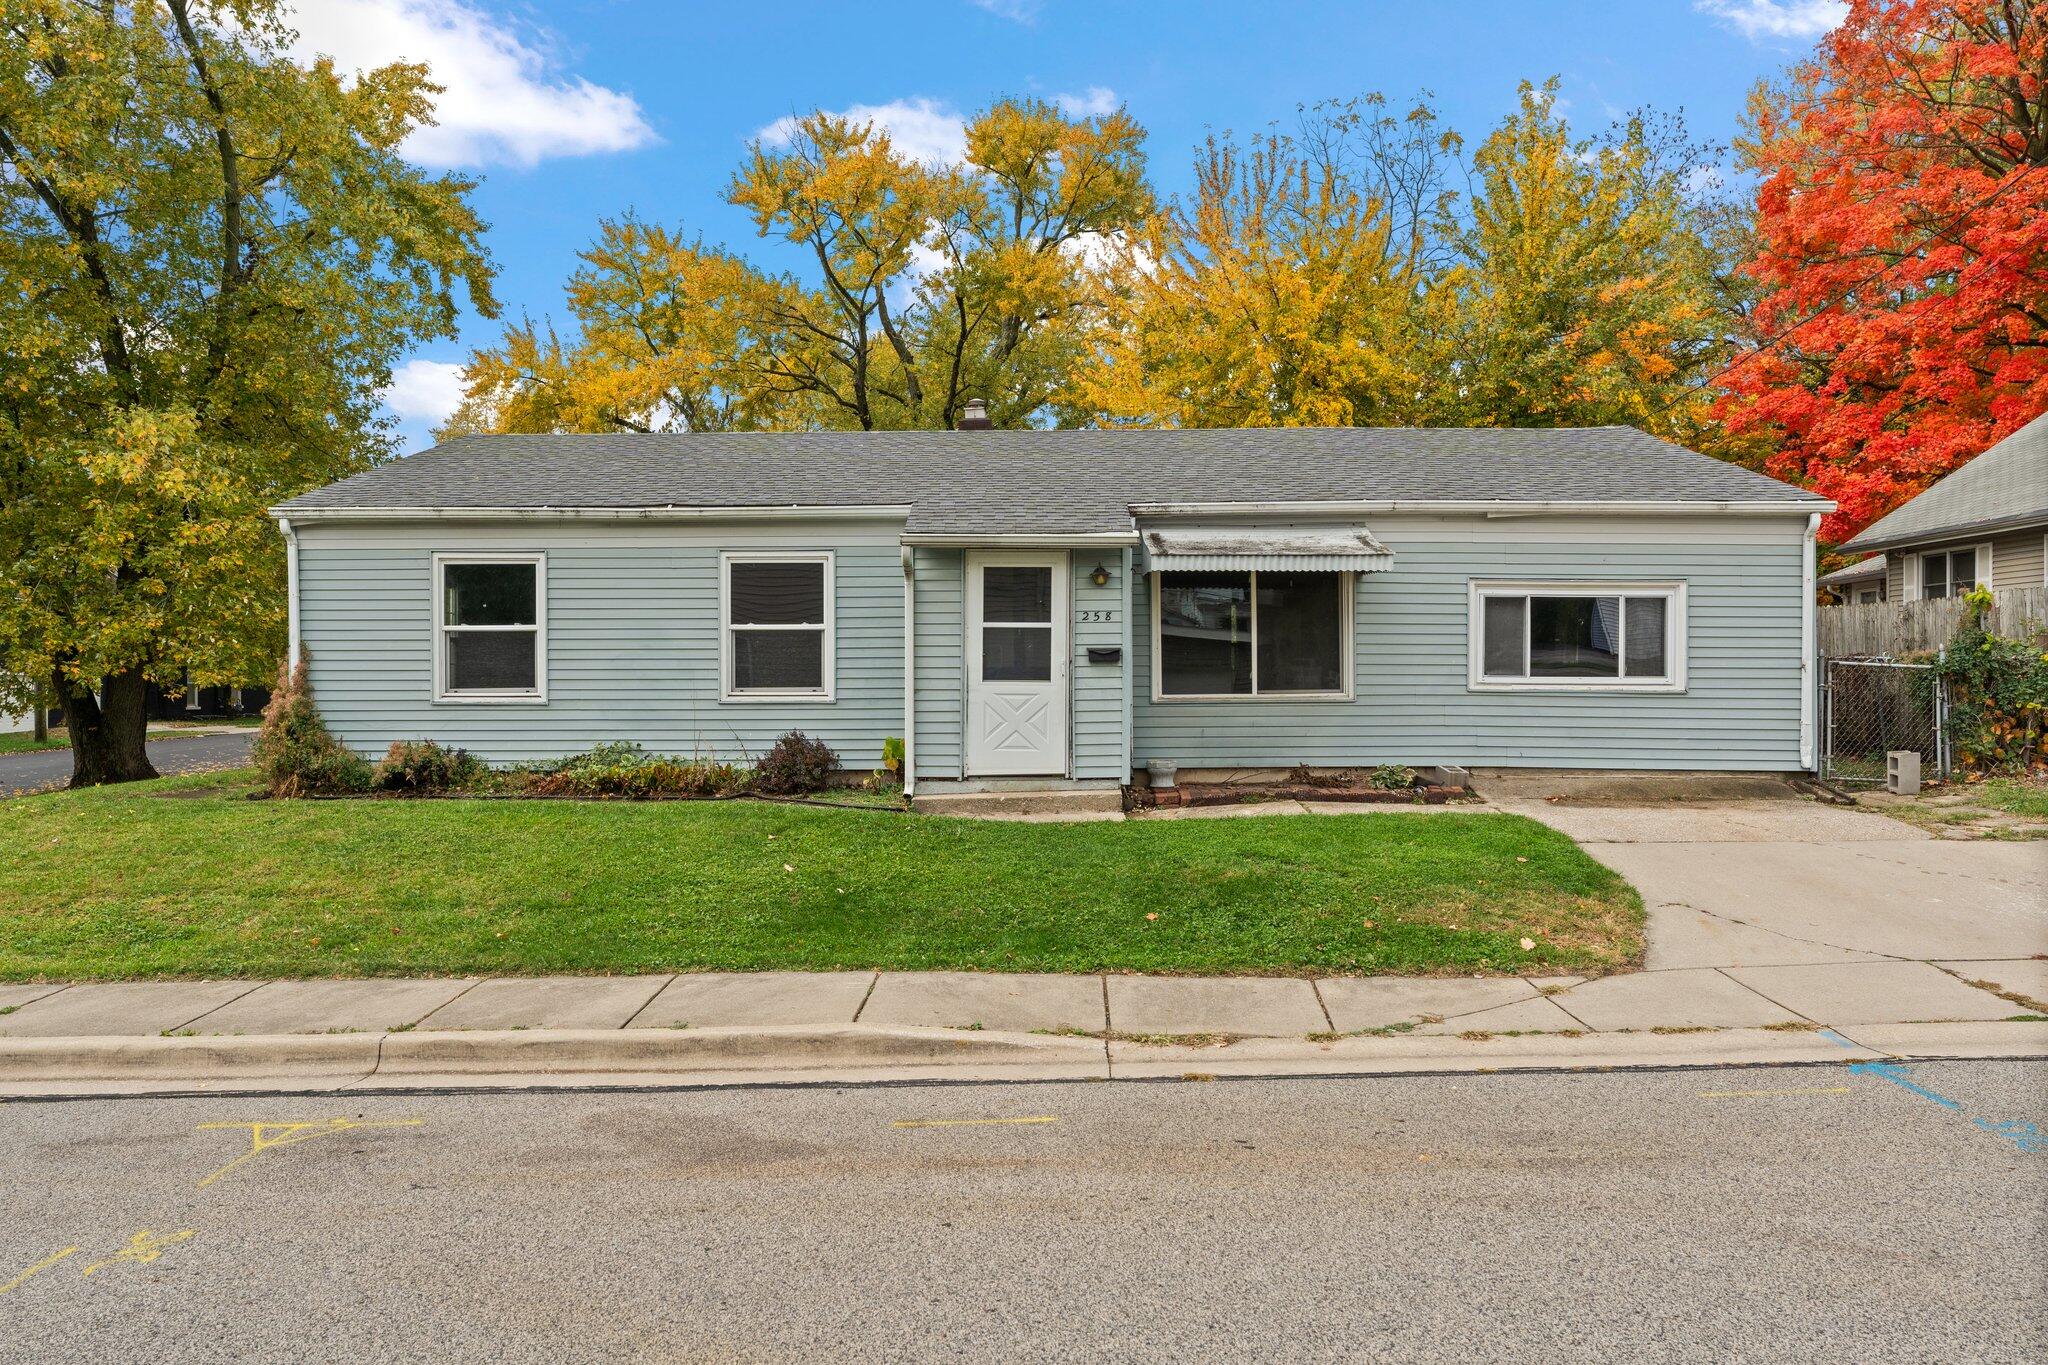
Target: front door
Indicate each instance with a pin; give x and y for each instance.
(1016, 664)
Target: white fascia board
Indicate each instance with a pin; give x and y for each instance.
(788, 512)
(1492, 507)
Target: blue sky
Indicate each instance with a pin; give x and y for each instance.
(579, 109)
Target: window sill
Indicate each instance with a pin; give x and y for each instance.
(756, 698)
(1624, 688)
(491, 699)
(1173, 698)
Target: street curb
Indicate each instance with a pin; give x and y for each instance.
(795, 1056)
(528, 1052)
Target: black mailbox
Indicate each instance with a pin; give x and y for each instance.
(1105, 654)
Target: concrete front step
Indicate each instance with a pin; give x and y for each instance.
(1052, 804)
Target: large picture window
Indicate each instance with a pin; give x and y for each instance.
(778, 626)
(490, 627)
(1247, 633)
(1565, 635)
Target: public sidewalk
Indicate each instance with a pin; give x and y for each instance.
(781, 1027)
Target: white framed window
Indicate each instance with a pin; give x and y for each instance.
(1576, 636)
(1248, 635)
(1951, 572)
(776, 615)
(491, 627)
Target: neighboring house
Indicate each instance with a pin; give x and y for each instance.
(1985, 523)
(1861, 583)
(1065, 606)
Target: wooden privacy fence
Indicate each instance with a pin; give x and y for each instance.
(1890, 629)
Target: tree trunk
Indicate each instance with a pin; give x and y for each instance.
(42, 721)
(107, 732)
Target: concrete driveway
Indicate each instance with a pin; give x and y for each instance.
(1752, 874)
(51, 768)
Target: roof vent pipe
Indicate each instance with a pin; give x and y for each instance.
(975, 418)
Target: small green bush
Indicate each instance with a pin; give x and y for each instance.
(1997, 695)
(796, 764)
(892, 755)
(1391, 777)
(424, 766)
(293, 749)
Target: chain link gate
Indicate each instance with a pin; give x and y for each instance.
(1870, 707)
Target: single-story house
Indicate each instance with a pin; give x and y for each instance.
(1861, 583)
(1060, 608)
(1985, 523)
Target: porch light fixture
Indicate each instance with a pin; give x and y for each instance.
(1100, 578)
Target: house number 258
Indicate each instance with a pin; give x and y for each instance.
(1095, 616)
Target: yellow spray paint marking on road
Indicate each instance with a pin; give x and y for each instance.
(968, 1123)
(144, 1247)
(38, 1268)
(290, 1134)
(1769, 1094)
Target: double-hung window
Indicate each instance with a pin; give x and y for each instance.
(1948, 573)
(1578, 635)
(776, 626)
(1251, 633)
(490, 627)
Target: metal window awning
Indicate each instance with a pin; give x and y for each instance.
(1347, 549)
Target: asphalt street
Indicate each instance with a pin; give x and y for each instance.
(1799, 1213)
(51, 768)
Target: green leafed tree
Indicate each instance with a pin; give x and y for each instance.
(210, 257)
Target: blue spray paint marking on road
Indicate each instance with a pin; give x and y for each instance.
(2018, 1132)
(1896, 1074)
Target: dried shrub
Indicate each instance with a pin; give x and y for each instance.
(796, 764)
(623, 769)
(424, 766)
(293, 749)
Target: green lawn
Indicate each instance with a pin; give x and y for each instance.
(2016, 797)
(25, 742)
(182, 878)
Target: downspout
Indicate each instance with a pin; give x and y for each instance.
(1808, 642)
(909, 671)
(291, 591)
(1127, 584)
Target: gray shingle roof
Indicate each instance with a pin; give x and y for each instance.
(2006, 486)
(1046, 482)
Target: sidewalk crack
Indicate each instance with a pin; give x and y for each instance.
(873, 981)
(1779, 933)
(1316, 989)
(670, 980)
(180, 1028)
(1779, 1003)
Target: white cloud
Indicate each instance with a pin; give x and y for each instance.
(921, 129)
(1093, 102)
(505, 101)
(1016, 11)
(1756, 19)
(424, 391)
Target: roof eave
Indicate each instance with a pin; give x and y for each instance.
(1871, 537)
(790, 512)
(1494, 506)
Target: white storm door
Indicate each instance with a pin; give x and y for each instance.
(1016, 664)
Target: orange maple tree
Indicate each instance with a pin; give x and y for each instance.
(1902, 214)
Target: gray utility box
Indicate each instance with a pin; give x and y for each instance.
(1902, 772)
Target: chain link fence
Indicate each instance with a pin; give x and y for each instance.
(1870, 707)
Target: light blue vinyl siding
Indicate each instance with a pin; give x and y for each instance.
(1097, 734)
(941, 646)
(633, 639)
(1412, 705)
